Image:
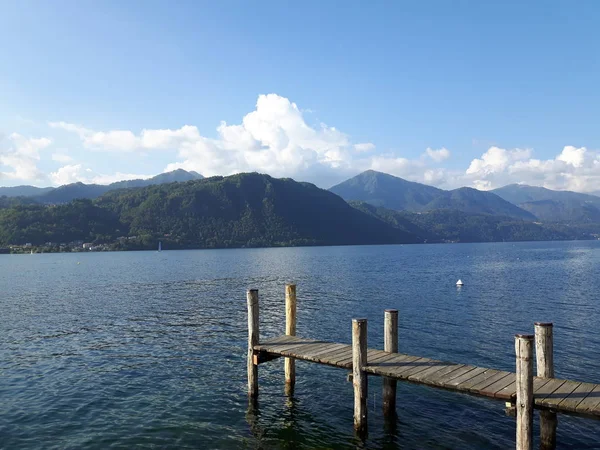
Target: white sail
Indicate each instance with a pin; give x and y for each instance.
(459, 283)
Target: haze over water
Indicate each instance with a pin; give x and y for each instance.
(147, 348)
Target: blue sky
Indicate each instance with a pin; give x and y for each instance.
(447, 93)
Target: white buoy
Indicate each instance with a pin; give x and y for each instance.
(459, 283)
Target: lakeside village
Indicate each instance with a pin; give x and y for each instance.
(122, 243)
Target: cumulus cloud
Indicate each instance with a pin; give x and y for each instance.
(365, 147)
(61, 157)
(21, 157)
(276, 138)
(574, 168)
(439, 155)
(73, 173)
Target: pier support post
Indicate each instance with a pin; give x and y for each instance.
(359, 376)
(253, 339)
(524, 382)
(390, 344)
(544, 354)
(290, 330)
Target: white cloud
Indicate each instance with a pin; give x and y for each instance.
(73, 173)
(364, 147)
(61, 157)
(276, 138)
(439, 155)
(21, 156)
(576, 169)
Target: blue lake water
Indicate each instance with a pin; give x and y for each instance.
(148, 349)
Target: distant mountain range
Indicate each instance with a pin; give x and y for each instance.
(549, 205)
(381, 189)
(68, 192)
(183, 210)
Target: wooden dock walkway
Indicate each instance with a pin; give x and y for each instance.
(550, 393)
(521, 390)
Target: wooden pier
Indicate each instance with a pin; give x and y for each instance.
(521, 389)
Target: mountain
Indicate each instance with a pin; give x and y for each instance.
(471, 200)
(444, 225)
(245, 210)
(381, 189)
(553, 206)
(68, 192)
(23, 191)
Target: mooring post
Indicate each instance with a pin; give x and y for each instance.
(390, 344)
(290, 330)
(253, 339)
(524, 382)
(544, 355)
(359, 376)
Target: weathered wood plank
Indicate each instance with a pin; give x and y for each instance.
(432, 377)
(421, 367)
(559, 395)
(571, 402)
(563, 391)
(499, 385)
(442, 380)
(482, 377)
(590, 404)
(461, 383)
(480, 388)
(547, 390)
(417, 377)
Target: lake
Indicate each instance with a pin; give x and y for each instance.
(149, 349)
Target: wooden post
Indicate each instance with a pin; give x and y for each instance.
(390, 344)
(524, 354)
(359, 376)
(544, 353)
(290, 330)
(253, 336)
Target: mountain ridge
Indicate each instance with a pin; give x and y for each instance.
(381, 189)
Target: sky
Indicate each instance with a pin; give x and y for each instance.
(461, 93)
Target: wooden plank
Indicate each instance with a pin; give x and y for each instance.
(394, 365)
(442, 380)
(375, 354)
(309, 350)
(339, 355)
(590, 404)
(278, 340)
(295, 347)
(507, 393)
(407, 365)
(421, 367)
(571, 402)
(283, 342)
(382, 357)
(311, 354)
(417, 377)
(546, 391)
(559, 395)
(330, 349)
(477, 388)
(463, 383)
(496, 386)
(455, 381)
(563, 391)
(482, 377)
(431, 378)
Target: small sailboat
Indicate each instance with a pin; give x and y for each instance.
(160, 246)
(31, 252)
(459, 283)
